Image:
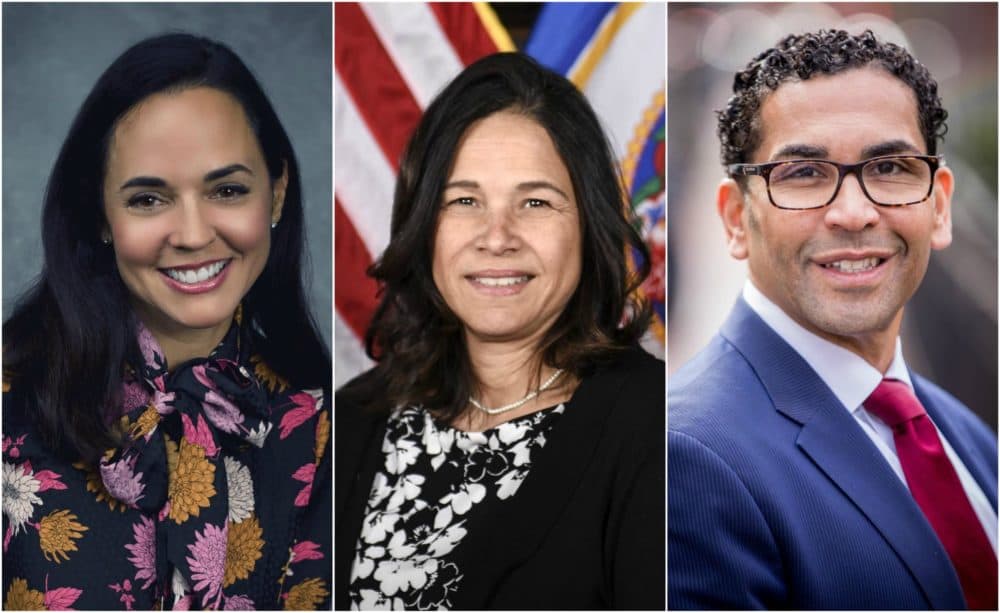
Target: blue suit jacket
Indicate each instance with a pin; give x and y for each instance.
(778, 499)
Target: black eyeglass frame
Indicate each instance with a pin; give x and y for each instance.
(764, 170)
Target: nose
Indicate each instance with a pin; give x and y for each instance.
(500, 234)
(192, 229)
(851, 209)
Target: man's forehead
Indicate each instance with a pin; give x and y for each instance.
(841, 114)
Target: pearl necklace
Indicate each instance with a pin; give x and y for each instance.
(520, 403)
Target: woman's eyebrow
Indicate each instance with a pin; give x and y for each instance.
(143, 182)
(462, 183)
(225, 171)
(209, 176)
(527, 186)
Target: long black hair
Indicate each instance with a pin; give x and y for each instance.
(414, 336)
(70, 335)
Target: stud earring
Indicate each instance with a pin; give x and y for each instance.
(274, 225)
(105, 238)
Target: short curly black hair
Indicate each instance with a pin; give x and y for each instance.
(799, 57)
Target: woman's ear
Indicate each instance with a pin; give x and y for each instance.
(278, 194)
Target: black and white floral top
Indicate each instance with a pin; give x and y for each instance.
(433, 480)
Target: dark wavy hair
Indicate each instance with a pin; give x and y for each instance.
(415, 338)
(70, 335)
(800, 57)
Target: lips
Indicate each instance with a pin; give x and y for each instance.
(854, 266)
(499, 282)
(198, 273)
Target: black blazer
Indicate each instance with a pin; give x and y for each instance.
(586, 530)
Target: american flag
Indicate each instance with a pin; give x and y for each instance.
(391, 59)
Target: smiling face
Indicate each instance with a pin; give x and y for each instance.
(844, 271)
(507, 249)
(188, 203)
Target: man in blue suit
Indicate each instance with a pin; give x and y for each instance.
(808, 467)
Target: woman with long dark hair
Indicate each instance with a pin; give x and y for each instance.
(507, 450)
(165, 429)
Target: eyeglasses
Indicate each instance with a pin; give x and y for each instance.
(889, 180)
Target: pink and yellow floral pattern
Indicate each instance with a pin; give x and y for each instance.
(223, 462)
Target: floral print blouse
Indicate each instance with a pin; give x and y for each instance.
(433, 480)
(218, 497)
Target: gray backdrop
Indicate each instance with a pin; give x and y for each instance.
(54, 53)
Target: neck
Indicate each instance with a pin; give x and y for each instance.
(504, 371)
(179, 348)
(507, 372)
(876, 348)
(180, 344)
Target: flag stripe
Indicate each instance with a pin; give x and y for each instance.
(563, 30)
(497, 33)
(594, 53)
(364, 178)
(356, 291)
(351, 359)
(413, 37)
(464, 29)
(379, 91)
(643, 80)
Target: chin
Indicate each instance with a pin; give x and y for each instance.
(851, 319)
(497, 333)
(209, 316)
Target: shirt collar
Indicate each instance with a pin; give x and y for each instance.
(847, 374)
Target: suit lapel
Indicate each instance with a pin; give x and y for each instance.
(840, 449)
(501, 539)
(958, 437)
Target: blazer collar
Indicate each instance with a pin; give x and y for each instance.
(508, 534)
(840, 449)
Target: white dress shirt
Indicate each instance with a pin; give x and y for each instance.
(852, 380)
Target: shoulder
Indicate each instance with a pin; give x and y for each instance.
(359, 401)
(710, 387)
(622, 403)
(633, 366)
(635, 380)
(18, 418)
(942, 400)
(960, 420)
(356, 392)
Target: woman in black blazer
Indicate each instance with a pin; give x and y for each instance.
(507, 450)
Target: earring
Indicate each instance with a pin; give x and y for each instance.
(105, 238)
(274, 225)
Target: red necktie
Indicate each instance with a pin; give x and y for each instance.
(939, 493)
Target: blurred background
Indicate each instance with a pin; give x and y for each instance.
(950, 326)
(53, 54)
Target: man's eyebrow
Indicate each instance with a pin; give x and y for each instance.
(226, 171)
(143, 182)
(799, 150)
(892, 147)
